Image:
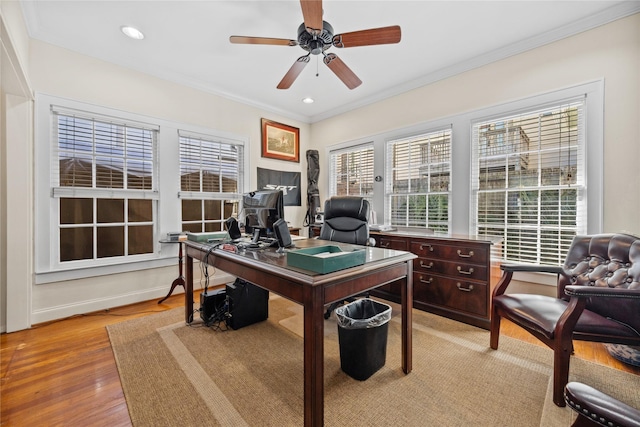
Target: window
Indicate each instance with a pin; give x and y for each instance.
(211, 173)
(419, 180)
(351, 171)
(528, 180)
(104, 186)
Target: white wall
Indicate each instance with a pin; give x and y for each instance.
(611, 52)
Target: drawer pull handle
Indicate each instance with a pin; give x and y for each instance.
(426, 245)
(423, 265)
(384, 245)
(469, 289)
(461, 255)
(465, 272)
(426, 281)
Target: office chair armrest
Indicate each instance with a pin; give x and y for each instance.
(598, 291)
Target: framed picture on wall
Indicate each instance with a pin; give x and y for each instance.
(280, 141)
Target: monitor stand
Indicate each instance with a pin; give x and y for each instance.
(256, 235)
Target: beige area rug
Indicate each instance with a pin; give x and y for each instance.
(173, 374)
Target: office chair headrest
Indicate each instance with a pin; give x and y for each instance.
(349, 206)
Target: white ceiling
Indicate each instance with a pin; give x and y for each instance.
(188, 42)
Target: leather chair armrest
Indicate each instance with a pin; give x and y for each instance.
(599, 407)
(532, 268)
(509, 269)
(597, 291)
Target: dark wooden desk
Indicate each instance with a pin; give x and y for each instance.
(269, 270)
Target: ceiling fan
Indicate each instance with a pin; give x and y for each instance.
(315, 36)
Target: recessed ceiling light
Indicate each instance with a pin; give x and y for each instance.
(132, 32)
(308, 100)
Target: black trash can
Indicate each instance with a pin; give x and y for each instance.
(363, 326)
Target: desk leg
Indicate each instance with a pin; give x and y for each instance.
(188, 291)
(313, 356)
(406, 296)
(180, 280)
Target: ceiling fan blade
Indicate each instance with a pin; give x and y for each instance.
(341, 70)
(262, 40)
(312, 13)
(293, 72)
(373, 36)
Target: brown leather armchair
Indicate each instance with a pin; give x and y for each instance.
(598, 299)
(595, 408)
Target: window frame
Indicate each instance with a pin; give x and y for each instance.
(534, 161)
(220, 196)
(95, 191)
(350, 150)
(389, 173)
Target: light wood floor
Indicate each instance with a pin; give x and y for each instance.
(64, 372)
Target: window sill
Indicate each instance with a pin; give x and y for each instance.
(81, 273)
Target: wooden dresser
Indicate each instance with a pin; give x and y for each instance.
(453, 276)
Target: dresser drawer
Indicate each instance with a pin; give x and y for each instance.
(475, 254)
(398, 244)
(456, 270)
(470, 297)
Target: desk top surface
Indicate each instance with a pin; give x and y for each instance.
(269, 259)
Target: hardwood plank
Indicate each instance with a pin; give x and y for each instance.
(594, 352)
(64, 372)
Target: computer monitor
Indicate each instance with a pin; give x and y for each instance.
(261, 209)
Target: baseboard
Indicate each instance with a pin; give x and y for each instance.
(90, 306)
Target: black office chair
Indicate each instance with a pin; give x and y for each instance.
(346, 220)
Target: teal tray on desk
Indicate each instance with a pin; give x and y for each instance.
(325, 259)
(205, 237)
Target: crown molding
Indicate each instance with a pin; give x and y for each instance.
(619, 11)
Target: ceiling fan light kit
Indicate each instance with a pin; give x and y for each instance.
(316, 36)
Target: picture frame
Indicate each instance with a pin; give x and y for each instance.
(280, 141)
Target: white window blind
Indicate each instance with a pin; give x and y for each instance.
(210, 166)
(528, 181)
(418, 180)
(211, 180)
(101, 153)
(351, 171)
